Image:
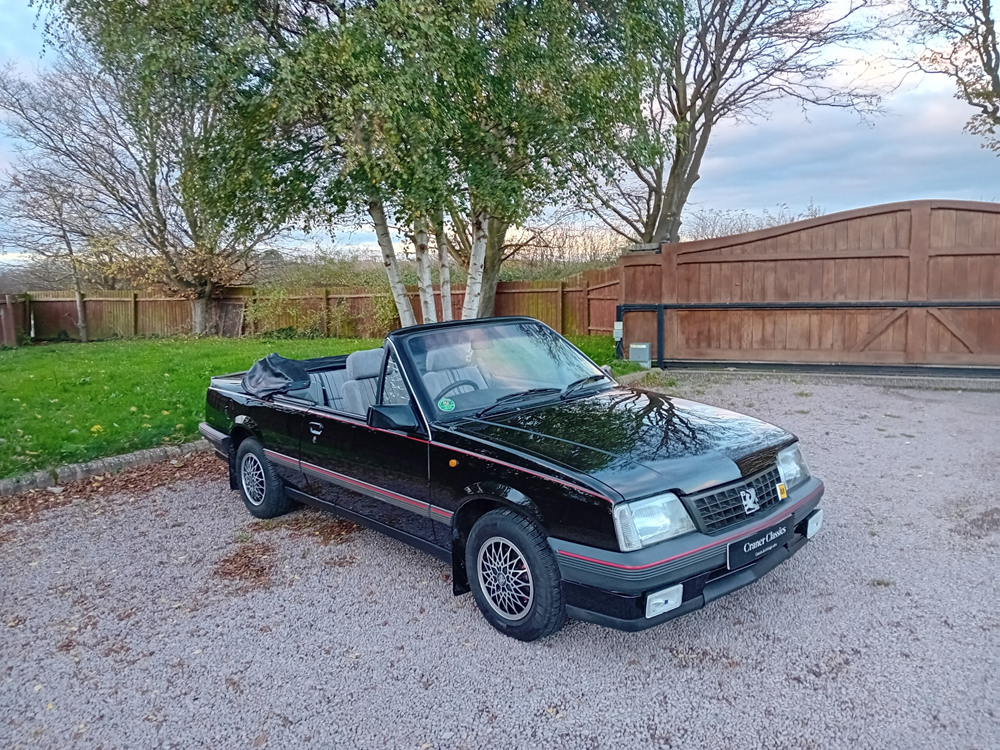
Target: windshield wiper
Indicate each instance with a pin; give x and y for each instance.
(514, 397)
(581, 382)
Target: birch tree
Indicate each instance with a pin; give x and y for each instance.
(477, 259)
(444, 265)
(425, 106)
(384, 237)
(425, 283)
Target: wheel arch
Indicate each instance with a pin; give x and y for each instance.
(243, 429)
(481, 498)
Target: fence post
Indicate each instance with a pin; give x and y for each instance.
(559, 306)
(27, 317)
(135, 314)
(7, 322)
(919, 259)
(326, 313)
(668, 286)
(586, 306)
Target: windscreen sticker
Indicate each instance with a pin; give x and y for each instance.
(446, 404)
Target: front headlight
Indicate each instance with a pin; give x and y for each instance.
(645, 522)
(792, 466)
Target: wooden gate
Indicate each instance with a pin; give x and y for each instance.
(902, 283)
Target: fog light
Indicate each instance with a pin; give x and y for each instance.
(813, 524)
(664, 601)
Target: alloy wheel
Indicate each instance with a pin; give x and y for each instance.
(505, 578)
(254, 482)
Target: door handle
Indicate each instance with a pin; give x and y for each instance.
(315, 428)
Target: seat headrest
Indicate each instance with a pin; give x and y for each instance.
(366, 363)
(449, 358)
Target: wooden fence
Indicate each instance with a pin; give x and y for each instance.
(579, 305)
(906, 283)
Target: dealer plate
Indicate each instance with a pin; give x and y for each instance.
(751, 548)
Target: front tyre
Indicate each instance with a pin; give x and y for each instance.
(514, 576)
(261, 488)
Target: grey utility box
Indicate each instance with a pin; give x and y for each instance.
(641, 353)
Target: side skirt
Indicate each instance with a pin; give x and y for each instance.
(421, 544)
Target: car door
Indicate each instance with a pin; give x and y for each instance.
(375, 473)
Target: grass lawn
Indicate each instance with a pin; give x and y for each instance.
(64, 403)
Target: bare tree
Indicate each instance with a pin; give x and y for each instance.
(959, 40)
(42, 216)
(705, 223)
(732, 59)
(131, 168)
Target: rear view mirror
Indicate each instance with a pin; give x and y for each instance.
(398, 417)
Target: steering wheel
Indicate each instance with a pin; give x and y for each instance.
(452, 386)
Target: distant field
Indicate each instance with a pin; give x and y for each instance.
(64, 403)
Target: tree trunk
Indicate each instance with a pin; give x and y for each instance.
(444, 263)
(81, 314)
(425, 284)
(495, 239)
(684, 173)
(477, 260)
(403, 307)
(81, 307)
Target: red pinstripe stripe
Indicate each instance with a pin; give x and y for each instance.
(325, 415)
(716, 543)
(365, 485)
(526, 471)
(281, 457)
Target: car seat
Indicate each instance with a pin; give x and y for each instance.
(450, 364)
(360, 390)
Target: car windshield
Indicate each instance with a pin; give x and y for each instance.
(485, 368)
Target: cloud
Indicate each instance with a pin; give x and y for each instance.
(21, 41)
(917, 150)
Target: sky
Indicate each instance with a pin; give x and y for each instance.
(824, 157)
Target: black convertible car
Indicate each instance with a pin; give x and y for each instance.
(499, 447)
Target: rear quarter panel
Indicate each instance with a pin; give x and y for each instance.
(277, 427)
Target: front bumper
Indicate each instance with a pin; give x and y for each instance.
(610, 588)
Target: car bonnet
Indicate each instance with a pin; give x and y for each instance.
(633, 441)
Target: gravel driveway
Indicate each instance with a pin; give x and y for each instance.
(152, 622)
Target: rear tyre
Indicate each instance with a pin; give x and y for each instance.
(514, 576)
(261, 488)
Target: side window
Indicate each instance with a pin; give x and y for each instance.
(393, 386)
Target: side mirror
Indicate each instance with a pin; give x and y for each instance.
(399, 417)
(606, 369)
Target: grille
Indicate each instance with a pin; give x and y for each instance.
(724, 508)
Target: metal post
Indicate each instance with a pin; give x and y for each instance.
(659, 336)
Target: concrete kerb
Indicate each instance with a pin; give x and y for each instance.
(112, 464)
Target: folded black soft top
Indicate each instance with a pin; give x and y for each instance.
(275, 374)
